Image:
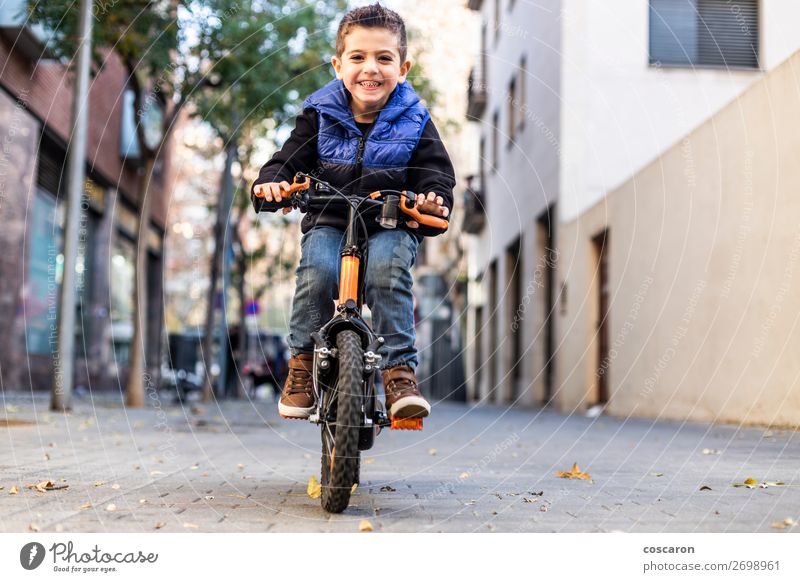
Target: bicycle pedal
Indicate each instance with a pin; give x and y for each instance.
(406, 424)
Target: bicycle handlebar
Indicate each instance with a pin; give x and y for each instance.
(298, 198)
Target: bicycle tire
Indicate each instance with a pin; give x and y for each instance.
(340, 472)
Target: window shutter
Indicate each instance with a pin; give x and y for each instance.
(728, 33)
(714, 33)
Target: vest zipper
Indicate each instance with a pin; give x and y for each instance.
(360, 159)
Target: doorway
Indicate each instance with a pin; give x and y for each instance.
(602, 295)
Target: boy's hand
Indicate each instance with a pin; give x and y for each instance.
(430, 204)
(273, 191)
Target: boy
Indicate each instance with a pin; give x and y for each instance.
(364, 131)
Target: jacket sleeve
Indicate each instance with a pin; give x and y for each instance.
(430, 170)
(298, 154)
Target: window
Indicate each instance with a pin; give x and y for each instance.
(495, 141)
(521, 107)
(709, 33)
(511, 99)
(497, 19)
(45, 269)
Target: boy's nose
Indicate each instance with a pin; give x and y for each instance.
(370, 65)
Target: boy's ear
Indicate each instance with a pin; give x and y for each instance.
(337, 66)
(404, 69)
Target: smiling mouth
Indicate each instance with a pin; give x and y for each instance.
(370, 84)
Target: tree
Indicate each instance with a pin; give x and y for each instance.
(263, 57)
(145, 36)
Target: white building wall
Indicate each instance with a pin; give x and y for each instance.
(526, 180)
(618, 112)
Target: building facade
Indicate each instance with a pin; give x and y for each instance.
(619, 84)
(35, 121)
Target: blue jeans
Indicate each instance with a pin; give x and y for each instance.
(387, 290)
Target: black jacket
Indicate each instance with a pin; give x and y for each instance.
(429, 170)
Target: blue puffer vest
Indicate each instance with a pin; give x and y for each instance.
(349, 161)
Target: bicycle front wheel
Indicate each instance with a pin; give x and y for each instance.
(340, 454)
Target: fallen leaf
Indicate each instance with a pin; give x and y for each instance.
(527, 500)
(115, 486)
(774, 483)
(364, 525)
(14, 490)
(47, 456)
(43, 486)
(33, 527)
(432, 452)
(314, 489)
(194, 467)
(369, 460)
(99, 483)
(353, 488)
(787, 522)
(86, 505)
(543, 508)
(705, 488)
(537, 493)
(657, 474)
(464, 475)
(240, 467)
(750, 481)
(156, 472)
(143, 501)
(189, 525)
(388, 488)
(111, 507)
(574, 473)
(51, 445)
(160, 524)
(710, 452)
(209, 498)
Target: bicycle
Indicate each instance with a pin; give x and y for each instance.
(345, 348)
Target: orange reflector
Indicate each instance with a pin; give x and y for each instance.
(406, 424)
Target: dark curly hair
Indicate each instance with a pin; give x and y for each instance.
(373, 16)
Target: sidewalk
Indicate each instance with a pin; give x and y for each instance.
(237, 467)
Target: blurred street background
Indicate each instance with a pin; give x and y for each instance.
(623, 247)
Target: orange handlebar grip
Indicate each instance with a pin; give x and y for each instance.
(294, 187)
(426, 219)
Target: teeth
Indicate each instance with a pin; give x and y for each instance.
(369, 84)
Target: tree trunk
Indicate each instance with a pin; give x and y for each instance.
(223, 208)
(138, 374)
(241, 261)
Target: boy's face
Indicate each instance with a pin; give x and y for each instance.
(370, 68)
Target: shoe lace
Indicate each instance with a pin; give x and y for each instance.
(299, 381)
(402, 386)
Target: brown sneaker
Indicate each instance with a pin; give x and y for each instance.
(297, 399)
(403, 399)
